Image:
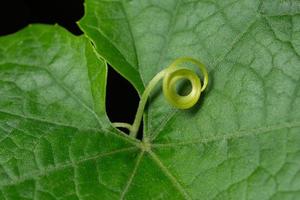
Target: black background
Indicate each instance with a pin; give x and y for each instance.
(121, 97)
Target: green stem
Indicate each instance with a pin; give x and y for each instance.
(122, 125)
(139, 114)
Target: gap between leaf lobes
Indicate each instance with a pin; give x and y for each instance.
(171, 75)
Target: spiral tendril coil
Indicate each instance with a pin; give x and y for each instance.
(174, 73)
(171, 75)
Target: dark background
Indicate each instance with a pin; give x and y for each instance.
(16, 14)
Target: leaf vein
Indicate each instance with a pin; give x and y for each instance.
(166, 171)
(237, 134)
(48, 170)
(132, 175)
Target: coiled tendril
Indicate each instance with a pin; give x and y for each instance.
(171, 75)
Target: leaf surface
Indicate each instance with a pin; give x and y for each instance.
(55, 138)
(241, 141)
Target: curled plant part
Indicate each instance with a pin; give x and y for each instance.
(171, 75)
(174, 73)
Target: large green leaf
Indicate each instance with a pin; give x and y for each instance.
(55, 139)
(241, 141)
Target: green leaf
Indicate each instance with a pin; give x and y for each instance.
(241, 141)
(55, 138)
